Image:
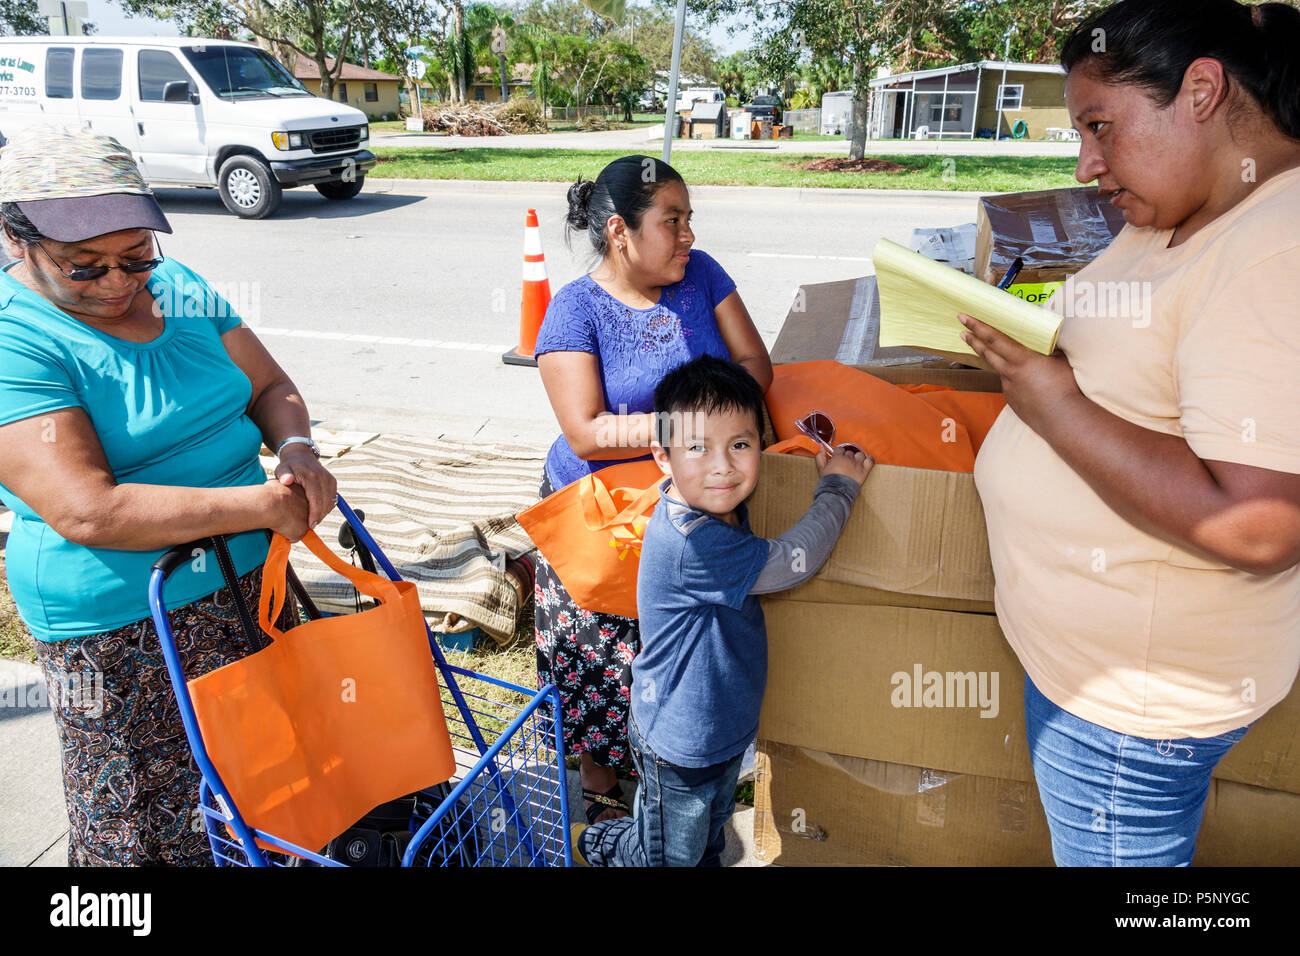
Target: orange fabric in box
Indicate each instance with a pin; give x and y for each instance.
(891, 424)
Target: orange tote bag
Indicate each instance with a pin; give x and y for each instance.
(335, 717)
(590, 532)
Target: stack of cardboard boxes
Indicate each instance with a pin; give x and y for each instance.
(892, 730)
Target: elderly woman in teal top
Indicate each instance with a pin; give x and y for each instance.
(133, 403)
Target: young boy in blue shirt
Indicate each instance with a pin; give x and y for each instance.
(698, 681)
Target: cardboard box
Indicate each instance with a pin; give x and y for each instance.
(1056, 231)
(906, 685)
(841, 321)
(912, 587)
(1248, 826)
(934, 546)
(891, 656)
(821, 809)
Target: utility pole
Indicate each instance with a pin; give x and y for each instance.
(1006, 52)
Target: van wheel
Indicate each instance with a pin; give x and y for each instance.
(247, 187)
(340, 189)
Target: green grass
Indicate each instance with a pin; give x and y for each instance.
(732, 168)
(15, 643)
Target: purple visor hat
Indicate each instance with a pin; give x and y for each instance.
(73, 184)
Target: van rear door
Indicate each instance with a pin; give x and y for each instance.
(172, 136)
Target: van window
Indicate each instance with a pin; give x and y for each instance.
(101, 74)
(237, 71)
(58, 72)
(158, 68)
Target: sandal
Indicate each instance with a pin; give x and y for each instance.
(597, 802)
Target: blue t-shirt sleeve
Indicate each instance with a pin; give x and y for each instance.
(720, 564)
(568, 325)
(33, 377)
(713, 277)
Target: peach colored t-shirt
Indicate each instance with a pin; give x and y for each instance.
(1200, 340)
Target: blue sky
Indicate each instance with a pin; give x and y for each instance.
(112, 21)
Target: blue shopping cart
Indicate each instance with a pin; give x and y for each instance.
(507, 805)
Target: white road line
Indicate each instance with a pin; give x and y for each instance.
(794, 255)
(403, 341)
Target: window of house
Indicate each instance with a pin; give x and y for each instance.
(1009, 96)
(341, 92)
(480, 94)
(101, 74)
(157, 69)
(372, 92)
(951, 115)
(58, 72)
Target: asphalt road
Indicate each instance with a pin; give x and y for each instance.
(391, 311)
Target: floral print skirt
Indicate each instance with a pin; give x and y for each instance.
(588, 657)
(129, 779)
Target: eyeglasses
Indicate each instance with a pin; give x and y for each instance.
(819, 427)
(91, 273)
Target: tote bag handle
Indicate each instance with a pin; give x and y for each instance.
(600, 511)
(277, 563)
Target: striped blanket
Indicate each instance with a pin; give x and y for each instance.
(443, 512)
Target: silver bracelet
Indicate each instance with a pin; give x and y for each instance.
(298, 440)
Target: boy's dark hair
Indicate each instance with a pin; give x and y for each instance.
(1150, 43)
(707, 385)
(627, 186)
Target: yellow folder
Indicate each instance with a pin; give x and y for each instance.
(920, 299)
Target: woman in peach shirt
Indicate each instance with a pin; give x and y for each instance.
(1142, 490)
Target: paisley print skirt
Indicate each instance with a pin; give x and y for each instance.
(129, 779)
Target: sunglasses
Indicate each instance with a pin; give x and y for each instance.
(819, 427)
(91, 273)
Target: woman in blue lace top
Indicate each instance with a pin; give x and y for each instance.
(652, 303)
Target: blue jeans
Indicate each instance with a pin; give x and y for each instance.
(1116, 800)
(679, 815)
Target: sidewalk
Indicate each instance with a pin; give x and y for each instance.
(33, 819)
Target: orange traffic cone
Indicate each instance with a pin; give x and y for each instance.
(537, 295)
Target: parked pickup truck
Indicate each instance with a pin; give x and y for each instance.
(765, 107)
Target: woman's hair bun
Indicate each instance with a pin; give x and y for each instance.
(580, 203)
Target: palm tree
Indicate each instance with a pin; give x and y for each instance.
(537, 44)
(489, 31)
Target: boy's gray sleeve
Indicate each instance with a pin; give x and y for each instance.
(812, 538)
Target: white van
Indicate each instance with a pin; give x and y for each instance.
(209, 113)
(686, 99)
